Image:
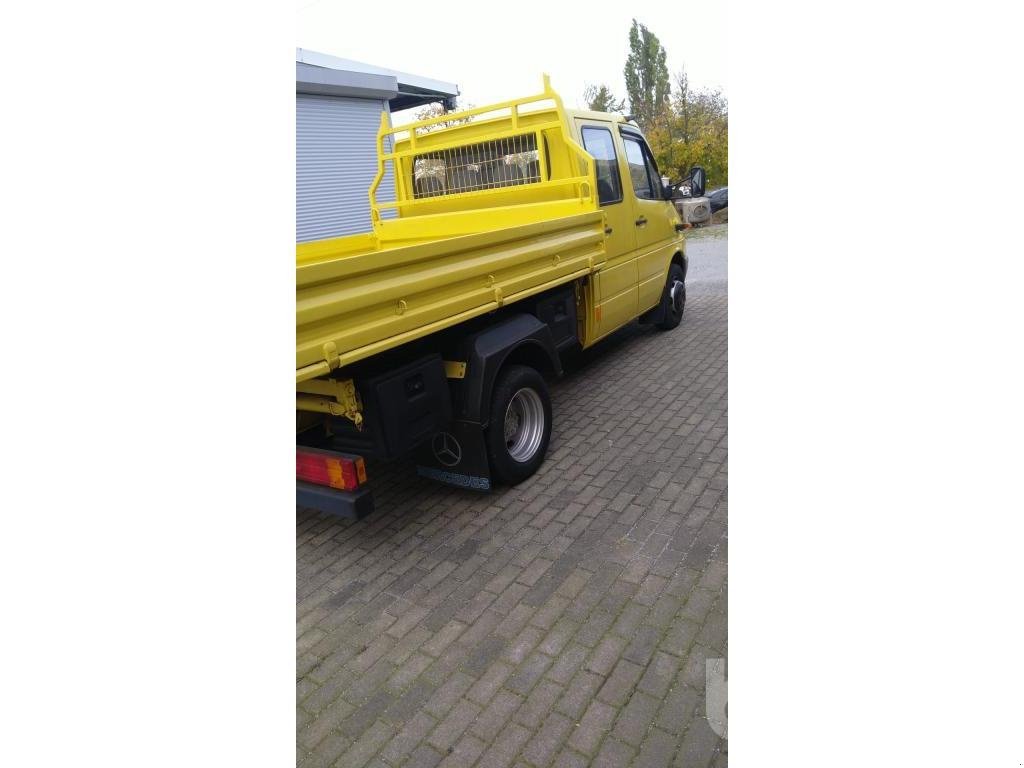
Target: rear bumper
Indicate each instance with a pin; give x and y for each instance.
(351, 504)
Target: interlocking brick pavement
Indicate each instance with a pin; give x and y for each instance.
(563, 622)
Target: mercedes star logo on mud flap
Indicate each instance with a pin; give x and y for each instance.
(447, 449)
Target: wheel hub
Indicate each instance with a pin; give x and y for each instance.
(511, 424)
(677, 294)
(524, 424)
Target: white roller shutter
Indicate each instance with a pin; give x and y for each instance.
(335, 162)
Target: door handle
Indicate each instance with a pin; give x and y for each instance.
(641, 221)
(607, 230)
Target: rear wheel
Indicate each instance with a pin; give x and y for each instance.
(673, 300)
(520, 424)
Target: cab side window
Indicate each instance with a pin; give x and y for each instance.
(598, 142)
(642, 171)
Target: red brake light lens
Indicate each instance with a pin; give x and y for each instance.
(345, 473)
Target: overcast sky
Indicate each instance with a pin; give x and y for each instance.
(497, 51)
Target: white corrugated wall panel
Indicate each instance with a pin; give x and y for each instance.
(335, 162)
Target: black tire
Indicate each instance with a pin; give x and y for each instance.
(671, 313)
(529, 441)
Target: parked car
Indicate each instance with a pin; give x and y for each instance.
(719, 199)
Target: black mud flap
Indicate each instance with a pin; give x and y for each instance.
(456, 457)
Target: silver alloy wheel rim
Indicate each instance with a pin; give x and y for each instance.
(524, 425)
(677, 293)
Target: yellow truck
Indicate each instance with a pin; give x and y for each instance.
(518, 231)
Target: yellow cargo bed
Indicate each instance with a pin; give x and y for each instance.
(492, 205)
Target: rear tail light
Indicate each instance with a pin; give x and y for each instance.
(335, 470)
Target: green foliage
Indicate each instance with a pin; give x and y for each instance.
(436, 109)
(693, 129)
(601, 99)
(684, 126)
(647, 84)
(434, 168)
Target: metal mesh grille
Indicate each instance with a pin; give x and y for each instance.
(503, 162)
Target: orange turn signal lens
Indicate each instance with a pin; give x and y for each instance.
(346, 473)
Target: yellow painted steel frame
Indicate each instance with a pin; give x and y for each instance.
(337, 397)
(447, 215)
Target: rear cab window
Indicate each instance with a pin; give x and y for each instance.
(642, 171)
(599, 143)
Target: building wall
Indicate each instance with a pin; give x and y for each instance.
(335, 163)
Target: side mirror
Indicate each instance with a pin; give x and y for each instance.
(667, 190)
(697, 181)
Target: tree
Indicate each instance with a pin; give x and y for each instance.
(694, 131)
(430, 173)
(436, 109)
(647, 84)
(680, 102)
(601, 99)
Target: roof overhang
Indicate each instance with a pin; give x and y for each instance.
(334, 82)
(319, 73)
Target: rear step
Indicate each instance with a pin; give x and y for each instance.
(339, 503)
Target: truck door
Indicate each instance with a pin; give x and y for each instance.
(615, 285)
(654, 221)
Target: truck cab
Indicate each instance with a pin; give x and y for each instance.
(642, 225)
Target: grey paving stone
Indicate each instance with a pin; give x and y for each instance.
(483, 690)
(481, 657)
(410, 702)
(607, 653)
(677, 709)
(496, 715)
(699, 744)
(613, 754)
(619, 685)
(519, 648)
(367, 745)
(569, 759)
(658, 750)
(657, 678)
(408, 738)
(451, 728)
(564, 621)
(528, 673)
(642, 646)
(680, 636)
(592, 728)
(423, 757)
(330, 749)
(579, 693)
(318, 728)
(364, 716)
(567, 663)
(595, 628)
(505, 748)
(538, 704)
(542, 749)
(465, 753)
(636, 718)
(406, 674)
(448, 694)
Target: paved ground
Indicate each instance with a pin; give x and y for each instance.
(564, 622)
